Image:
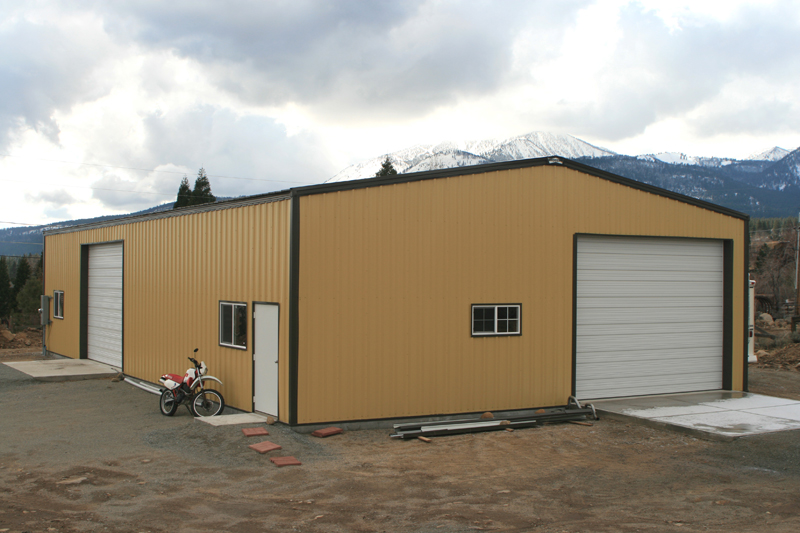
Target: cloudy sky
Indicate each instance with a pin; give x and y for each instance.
(104, 106)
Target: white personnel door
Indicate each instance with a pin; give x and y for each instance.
(105, 304)
(649, 316)
(265, 358)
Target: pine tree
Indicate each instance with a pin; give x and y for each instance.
(6, 304)
(387, 169)
(21, 277)
(202, 189)
(29, 296)
(184, 194)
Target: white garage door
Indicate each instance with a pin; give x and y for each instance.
(105, 304)
(649, 316)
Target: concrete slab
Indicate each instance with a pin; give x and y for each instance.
(789, 412)
(229, 420)
(721, 415)
(64, 369)
(731, 423)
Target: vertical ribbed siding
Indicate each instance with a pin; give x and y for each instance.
(176, 270)
(388, 275)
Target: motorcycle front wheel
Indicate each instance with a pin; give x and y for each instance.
(208, 403)
(167, 403)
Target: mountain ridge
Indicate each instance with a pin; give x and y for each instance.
(765, 184)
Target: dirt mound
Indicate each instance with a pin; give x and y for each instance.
(28, 338)
(786, 358)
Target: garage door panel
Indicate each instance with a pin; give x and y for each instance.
(662, 315)
(104, 317)
(623, 370)
(658, 331)
(648, 289)
(651, 355)
(673, 276)
(649, 316)
(647, 246)
(644, 303)
(605, 343)
(650, 263)
(662, 385)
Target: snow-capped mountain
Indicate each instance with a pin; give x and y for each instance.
(678, 158)
(766, 184)
(776, 153)
(465, 153)
(783, 173)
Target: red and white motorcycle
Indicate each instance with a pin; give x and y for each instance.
(189, 390)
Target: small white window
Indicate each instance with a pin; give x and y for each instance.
(233, 324)
(58, 304)
(489, 319)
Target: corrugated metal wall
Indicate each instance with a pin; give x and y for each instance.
(388, 275)
(176, 270)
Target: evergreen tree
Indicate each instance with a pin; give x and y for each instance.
(184, 194)
(29, 297)
(6, 304)
(387, 169)
(202, 189)
(20, 278)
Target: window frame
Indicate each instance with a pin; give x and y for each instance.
(58, 304)
(495, 332)
(233, 305)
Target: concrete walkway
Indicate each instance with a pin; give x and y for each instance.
(64, 369)
(717, 415)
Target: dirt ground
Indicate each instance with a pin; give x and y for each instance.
(97, 456)
(20, 343)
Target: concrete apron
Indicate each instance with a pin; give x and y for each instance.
(715, 415)
(64, 369)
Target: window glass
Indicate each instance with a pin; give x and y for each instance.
(58, 304)
(233, 324)
(483, 319)
(240, 325)
(225, 324)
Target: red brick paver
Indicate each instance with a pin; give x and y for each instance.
(285, 461)
(254, 432)
(264, 447)
(327, 432)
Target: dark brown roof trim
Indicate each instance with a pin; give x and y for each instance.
(511, 165)
(227, 204)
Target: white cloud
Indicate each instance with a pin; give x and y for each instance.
(284, 93)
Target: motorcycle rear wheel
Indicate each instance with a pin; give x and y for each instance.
(167, 403)
(208, 403)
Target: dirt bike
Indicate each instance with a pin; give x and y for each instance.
(189, 390)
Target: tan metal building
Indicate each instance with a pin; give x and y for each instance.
(493, 287)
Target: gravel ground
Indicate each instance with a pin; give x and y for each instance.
(98, 456)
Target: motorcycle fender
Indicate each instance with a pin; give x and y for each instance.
(205, 378)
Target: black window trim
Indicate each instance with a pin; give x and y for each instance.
(233, 305)
(495, 333)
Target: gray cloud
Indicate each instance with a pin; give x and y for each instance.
(346, 59)
(756, 116)
(44, 69)
(239, 146)
(57, 199)
(242, 155)
(125, 195)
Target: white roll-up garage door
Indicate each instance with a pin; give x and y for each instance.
(649, 315)
(104, 341)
